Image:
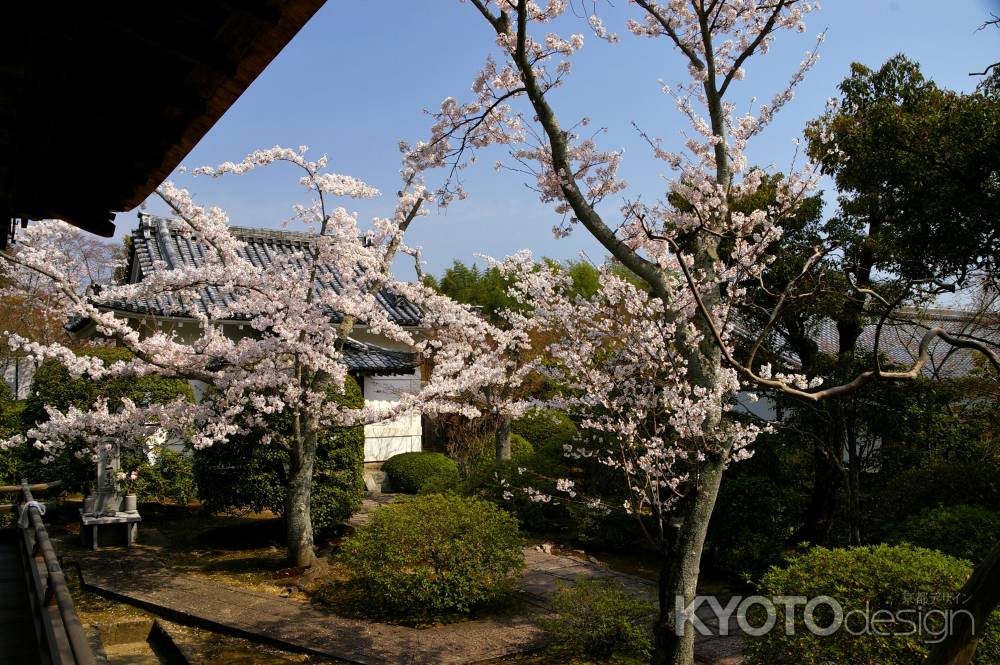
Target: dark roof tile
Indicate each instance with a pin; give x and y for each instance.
(154, 242)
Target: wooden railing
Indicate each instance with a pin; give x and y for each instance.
(60, 637)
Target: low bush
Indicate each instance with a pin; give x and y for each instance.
(245, 475)
(407, 472)
(433, 556)
(600, 618)
(865, 580)
(964, 532)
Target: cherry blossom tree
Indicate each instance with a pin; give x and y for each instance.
(294, 357)
(24, 298)
(662, 371)
(663, 390)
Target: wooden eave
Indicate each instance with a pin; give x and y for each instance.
(100, 101)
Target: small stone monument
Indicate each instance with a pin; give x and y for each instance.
(104, 511)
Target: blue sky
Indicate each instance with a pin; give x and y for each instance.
(358, 76)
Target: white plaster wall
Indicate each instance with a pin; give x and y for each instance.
(402, 435)
(763, 408)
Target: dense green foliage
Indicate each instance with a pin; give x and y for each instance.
(488, 288)
(408, 472)
(473, 286)
(600, 618)
(880, 577)
(10, 424)
(547, 430)
(52, 386)
(964, 532)
(432, 556)
(484, 452)
(915, 171)
(246, 475)
(749, 531)
(10, 459)
(506, 483)
(170, 477)
(947, 483)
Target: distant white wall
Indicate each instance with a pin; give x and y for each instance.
(762, 408)
(17, 374)
(402, 435)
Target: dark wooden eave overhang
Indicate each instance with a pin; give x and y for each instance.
(100, 101)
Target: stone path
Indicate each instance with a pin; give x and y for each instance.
(137, 577)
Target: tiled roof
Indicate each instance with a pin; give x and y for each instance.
(901, 335)
(369, 359)
(154, 241)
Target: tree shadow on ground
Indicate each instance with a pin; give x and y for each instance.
(244, 535)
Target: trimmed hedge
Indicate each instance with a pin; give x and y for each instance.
(244, 475)
(432, 556)
(964, 532)
(409, 472)
(880, 577)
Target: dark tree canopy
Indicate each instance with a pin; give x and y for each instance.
(917, 172)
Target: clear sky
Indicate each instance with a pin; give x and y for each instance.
(358, 76)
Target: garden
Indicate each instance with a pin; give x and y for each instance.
(761, 428)
(445, 545)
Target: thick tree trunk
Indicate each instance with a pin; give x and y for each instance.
(681, 566)
(298, 520)
(975, 602)
(502, 438)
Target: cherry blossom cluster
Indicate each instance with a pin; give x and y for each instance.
(701, 206)
(622, 366)
(294, 352)
(633, 360)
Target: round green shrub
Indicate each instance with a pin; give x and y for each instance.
(547, 429)
(879, 577)
(964, 532)
(407, 472)
(432, 556)
(244, 475)
(600, 618)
